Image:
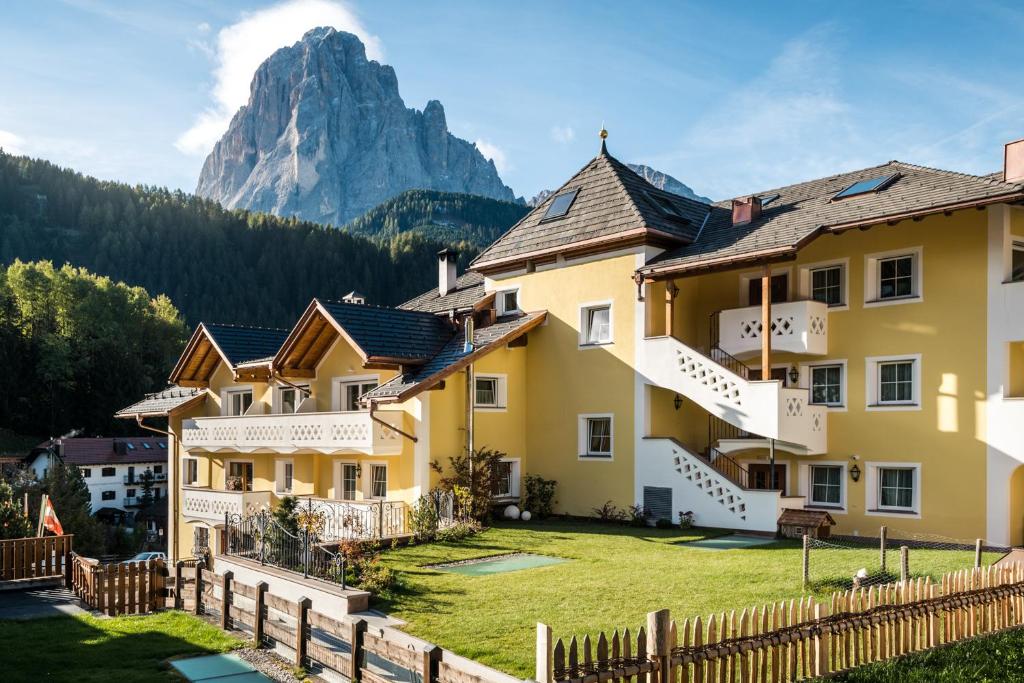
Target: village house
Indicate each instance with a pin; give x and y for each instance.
(852, 344)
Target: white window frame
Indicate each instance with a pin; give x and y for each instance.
(806, 377)
(185, 464)
(301, 396)
(338, 390)
(872, 277)
(227, 472)
(514, 483)
(583, 314)
(367, 478)
(807, 484)
(280, 476)
(872, 490)
(804, 278)
(225, 399)
(499, 301)
(584, 437)
(500, 392)
(86, 473)
(872, 382)
(339, 484)
(745, 278)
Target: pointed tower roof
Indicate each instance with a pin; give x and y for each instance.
(605, 205)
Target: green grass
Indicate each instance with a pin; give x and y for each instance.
(88, 648)
(985, 660)
(617, 575)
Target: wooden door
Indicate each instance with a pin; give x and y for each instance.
(780, 290)
(760, 476)
(777, 373)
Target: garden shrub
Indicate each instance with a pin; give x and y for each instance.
(637, 515)
(423, 519)
(609, 513)
(538, 495)
(458, 531)
(472, 480)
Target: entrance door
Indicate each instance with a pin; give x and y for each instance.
(780, 290)
(777, 373)
(760, 477)
(240, 475)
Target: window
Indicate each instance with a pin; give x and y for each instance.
(378, 481)
(156, 493)
(596, 436)
(896, 382)
(108, 495)
(348, 481)
(189, 471)
(779, 288)
(827, 385)
(665, 206)
(158, 469)
(86, 472)
(506, 479)
(896, 277)
(1017, 262)
(508, 301)
(768, 199)
(239, 401)
(827, 285)
(283, 476)
(896, 487)
(826, 485)
(108, 472)
(559, 206)
(130, 493)
(490, 391)
(865, 186)
(288, 399)
(596, 327)
(351, 391)
(239, 477)
(146, 445)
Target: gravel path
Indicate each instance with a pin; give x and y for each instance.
(271, 665)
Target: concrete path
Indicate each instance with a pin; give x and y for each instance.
(37, 603)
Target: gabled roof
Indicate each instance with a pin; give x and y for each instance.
(233, 344)
(468, 292)
(85, 451)
(454, 356)
(163, 403)
(805, 210)
(613, 205)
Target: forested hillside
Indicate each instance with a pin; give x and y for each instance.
(226, 266)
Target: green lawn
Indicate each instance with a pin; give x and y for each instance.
(93, 649)
(617, 575)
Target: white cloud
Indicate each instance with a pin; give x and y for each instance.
(244, 45)
(203, 27)
(563, 135)
(494, 153)
(11, 143)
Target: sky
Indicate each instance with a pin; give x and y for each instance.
(730, 98)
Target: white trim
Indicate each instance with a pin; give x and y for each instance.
(500, 391)
(805, 484)
(226, 393)
(367, 478)
(276, 402)
(499, 301)
(871, 383)
(337, 382)
(227, 470)
(871, 490)
(871, 277)
(844, 381)
(584, 331)
(279, 465)
(746, 277)
(583, 443)
(185, 459)
(338, 464)
(514, 492)
(804, 280)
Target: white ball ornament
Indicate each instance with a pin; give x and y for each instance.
(511, 512)
(525, 516)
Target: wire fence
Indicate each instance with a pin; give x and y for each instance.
(844, 562)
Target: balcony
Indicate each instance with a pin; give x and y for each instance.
(132, 501)
(211, 505)
(797, 327)
(321, 432)
(137, 478)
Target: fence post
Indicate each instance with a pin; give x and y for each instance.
(199, 587)
(179, 602)
(822, 643)
(301, 626)
(225, 600)
(67, 560)
(658, 647)
(356, 632)
(904, 563)
(977, 553)
(428, 666)
(883, 534)
(257, 627)
(806, 573)
(545, 668)
(380, 519)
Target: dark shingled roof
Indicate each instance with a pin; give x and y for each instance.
(469, 289)
(612, 199)
(452, 353)
(161, 402)
(243, 344)
(803, 209)
(119, 450)
(412, 336)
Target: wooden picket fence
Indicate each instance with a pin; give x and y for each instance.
(121, 588)
(795, 640)
(35, 558)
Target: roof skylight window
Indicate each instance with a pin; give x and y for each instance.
(131, 446)
(865, 186)
(146, 445)
(665, 205)
(768, 199)
(559, 206)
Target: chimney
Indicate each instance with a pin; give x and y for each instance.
(1013, 162)
(446, 270)
(354, 297)
(745, 210)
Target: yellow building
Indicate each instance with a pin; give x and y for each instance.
(614, 340)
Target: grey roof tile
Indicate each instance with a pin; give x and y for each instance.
(469, 289)
(160, 402)
(243, 344)
(414, 336)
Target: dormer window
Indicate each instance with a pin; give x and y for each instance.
(508, 301)
(666, 206)
(867, 186)
(559, 206)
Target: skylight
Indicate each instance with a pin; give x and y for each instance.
(146, 445)
(131, 446)
(768, 199)
(865, 186)
(559, 206)
(665, 205)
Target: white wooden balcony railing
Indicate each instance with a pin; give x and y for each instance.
(322, 432)
(797, 327)
(211, 505)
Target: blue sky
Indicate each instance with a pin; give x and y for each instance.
(728, 98)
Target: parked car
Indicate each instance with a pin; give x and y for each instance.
(142, 557)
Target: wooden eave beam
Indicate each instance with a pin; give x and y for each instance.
(317, 347)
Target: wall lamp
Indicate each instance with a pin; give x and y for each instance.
(855, 473)
(794, 375)
(677, 401)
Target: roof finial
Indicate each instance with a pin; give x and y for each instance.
(603, 135)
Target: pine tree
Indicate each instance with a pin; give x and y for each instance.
(13, 522)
